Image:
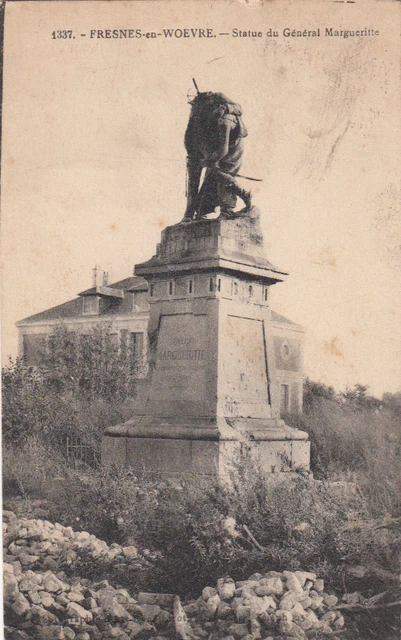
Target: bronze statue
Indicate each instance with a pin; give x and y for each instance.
(214, 141)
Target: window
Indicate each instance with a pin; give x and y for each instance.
(284, 398)
(190, 286)
(112, 341)
(90, 305)
(136, 344)
(151, 290)
(170, 288)
(250, 290)
(219, 284)
(210, 284)
(265, 294)
(34, 349)
(139, 301)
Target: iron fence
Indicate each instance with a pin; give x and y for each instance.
(80, 454)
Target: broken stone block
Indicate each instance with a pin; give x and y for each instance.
(238, 630)
(20, 605)
(52, 632)
(330, 600)
(243, 613)
(75, 596)
(292, 583)
(41, 616)
(270, 587)
(226, 589)
(74, 610)
(10, 586)
(46, 599)
(150, 611)
(319, 585)
(208, 592)
(130, 552)
(223, 610)
(213, 603)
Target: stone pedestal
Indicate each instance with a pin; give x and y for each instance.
(211, 389)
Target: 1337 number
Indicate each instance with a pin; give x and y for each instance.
(61, 35)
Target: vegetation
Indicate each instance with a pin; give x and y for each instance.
(356, 437)
(85, 383)
(344, 521)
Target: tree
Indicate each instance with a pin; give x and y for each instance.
(92, 364)
(316, 392)
(31, 406)
(80, 375)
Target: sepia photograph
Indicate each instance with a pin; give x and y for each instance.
(201, 320)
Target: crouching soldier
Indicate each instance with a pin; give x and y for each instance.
(214, 140)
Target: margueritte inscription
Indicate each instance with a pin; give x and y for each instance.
(182, 354)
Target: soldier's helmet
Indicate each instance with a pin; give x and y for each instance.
(207, 98)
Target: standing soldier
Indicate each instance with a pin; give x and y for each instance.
(214, 140)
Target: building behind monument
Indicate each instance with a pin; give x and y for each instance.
(124, 307)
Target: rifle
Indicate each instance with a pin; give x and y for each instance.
(195, 85)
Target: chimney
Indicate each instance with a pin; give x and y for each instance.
(105, 278)
(94, 276)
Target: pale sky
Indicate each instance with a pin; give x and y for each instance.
(93, 162)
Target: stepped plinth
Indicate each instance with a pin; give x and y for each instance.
(211, 390)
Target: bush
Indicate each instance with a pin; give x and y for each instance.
(32, 469)
(84, 384)
(183, 525)
(355, 437)
(31, 407)
(92, 364)
(297, 524)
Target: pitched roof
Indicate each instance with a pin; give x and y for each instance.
(136, 283)
(276, 317)
(73, 308)
(70, 309)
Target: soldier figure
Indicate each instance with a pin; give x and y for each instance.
(214, 140)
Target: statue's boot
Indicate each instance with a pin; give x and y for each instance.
(190, 211)
(194, 170)
(188, 217)
(229, 191)
(246, 197)
(228, 213)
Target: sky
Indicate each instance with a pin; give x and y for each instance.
(93, 162)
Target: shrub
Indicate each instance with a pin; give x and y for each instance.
(297, 524)
(183, 525)
(355, 437)
(84, 384)
(31, 407)
(32, 469)
(91, 364)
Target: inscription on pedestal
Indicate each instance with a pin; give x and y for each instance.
(182, 354)
(179, 379)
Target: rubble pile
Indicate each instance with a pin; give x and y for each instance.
(42, 602)
(271, 606)
(38, 544)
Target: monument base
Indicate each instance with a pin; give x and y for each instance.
(205, 450)
(216, 368)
